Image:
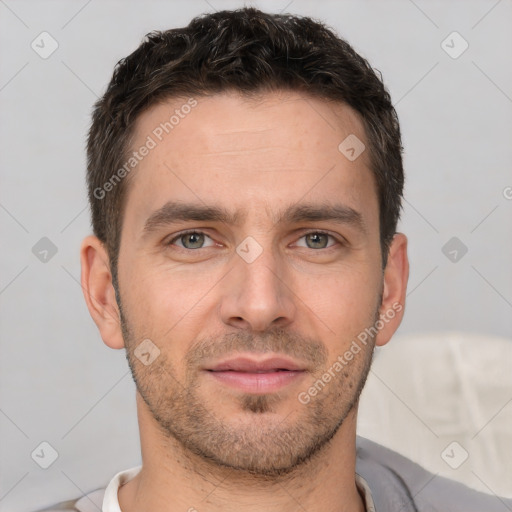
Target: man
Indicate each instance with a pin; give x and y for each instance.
(245, 180)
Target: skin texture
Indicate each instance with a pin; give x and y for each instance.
(206, 445)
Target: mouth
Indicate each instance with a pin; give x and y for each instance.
(257, 376)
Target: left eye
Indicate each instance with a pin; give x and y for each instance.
(317, 240)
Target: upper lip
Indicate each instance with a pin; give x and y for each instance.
(252, 365)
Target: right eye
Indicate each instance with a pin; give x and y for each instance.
(190, 240)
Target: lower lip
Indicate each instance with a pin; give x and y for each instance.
(257, 382)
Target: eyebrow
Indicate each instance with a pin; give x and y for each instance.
(175, 211)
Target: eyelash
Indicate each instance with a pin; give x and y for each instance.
(195, 231)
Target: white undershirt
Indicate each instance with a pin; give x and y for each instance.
(111, 501)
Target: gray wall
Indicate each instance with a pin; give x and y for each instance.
(59, 383)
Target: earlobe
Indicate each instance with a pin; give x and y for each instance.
(99, 292)
(396, 275)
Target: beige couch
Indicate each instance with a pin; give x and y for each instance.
(444, 400)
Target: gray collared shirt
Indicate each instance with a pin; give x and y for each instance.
(387, 482)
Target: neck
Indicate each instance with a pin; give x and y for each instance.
(173, 479)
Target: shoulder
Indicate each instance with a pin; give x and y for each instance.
(91, 502)
(395, 480)
(96, 500)
(60, 507)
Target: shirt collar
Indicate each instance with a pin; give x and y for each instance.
(366, 493)
(111, 501)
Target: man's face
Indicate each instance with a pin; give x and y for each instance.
(221, 301)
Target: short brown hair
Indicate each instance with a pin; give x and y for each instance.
(248, 51)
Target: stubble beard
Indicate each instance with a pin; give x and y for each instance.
(268, 445)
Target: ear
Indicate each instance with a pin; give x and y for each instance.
(396, 275)
(99, 292)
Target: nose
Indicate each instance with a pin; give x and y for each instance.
(257, 295)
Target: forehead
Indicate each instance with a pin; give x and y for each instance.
(278, 145)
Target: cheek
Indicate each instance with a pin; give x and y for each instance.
(347, 303)
(165, 304)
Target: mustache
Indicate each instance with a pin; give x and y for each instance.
(279, 341)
